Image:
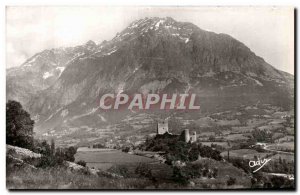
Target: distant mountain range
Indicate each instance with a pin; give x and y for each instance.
(61, 87)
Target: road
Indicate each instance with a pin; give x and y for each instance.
(277, 151)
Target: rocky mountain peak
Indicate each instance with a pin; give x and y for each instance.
(90, 45)
(157, 27)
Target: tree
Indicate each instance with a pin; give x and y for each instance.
(45, 148)
(194, 152)
(215, 172)
(82, 163)
(19, 126)
(52, 147)
(69, 154)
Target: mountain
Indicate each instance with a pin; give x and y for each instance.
(41, 71)
(61, 87)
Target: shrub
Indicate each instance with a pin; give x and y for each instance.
(277, 182)
(177, 149)
(82, 163)
(121, 170)
(69, 154)
(143, 170)
(48, 161)
(126, 149)
(180, 176)
(231, 181)
(183, 174)
(61, 155)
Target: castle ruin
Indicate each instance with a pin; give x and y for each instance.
(162, 127)
(190, 138)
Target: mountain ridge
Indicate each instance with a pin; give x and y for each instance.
(151, 55)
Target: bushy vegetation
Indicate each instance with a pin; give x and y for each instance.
(125, 149)
(262, 136)
(81, 162)
(19, 126)
(98, 145)
(183, 173)
(60, 178)
(180, 156)
(260, 180)
(121, 170)
(177, 149)
(19, 133)
(143, 170)
(61, 154)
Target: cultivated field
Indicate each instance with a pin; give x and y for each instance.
(104, 159)
(223, 144)
(285, 146)
(245, 154)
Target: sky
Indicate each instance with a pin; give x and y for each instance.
(267, 31)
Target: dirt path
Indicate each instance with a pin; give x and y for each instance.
(277, 151)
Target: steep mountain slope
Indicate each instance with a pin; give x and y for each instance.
(42, 70)
(152, 55)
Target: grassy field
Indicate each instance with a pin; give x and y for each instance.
(60, 178)
(282, 146)
(244, 153)
(287, 157)
(223, 144)
(105, 159)
(26, 176)
(235, 137)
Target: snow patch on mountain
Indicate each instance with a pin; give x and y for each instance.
(75, 57)
(61, 69)
(120, 88)
(31, 61)
(158, 24)
(47, 75)
(102, 118)
(64, 113)
(89, 112)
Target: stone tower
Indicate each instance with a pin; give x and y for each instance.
(194, 137)
(186, 135)
(162, 127)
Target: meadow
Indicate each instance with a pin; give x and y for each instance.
(223, 144)
(245, 154)
(105, 159)
(284, 146)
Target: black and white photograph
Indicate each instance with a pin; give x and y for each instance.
(150, 98)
